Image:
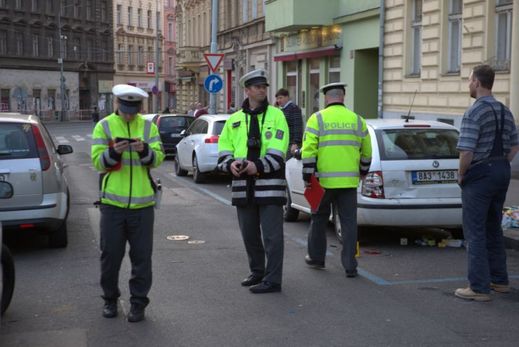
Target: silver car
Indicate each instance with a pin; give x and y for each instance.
(32, 164)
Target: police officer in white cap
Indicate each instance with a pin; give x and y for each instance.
(336, 149)
(252, 148)
(125, 147)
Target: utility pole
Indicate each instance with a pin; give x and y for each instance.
(60, 61)
(157, 57)
(214, 49)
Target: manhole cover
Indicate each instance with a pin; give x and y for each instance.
(195, 242)
(177, 237)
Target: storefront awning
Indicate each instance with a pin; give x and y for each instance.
(314, 53)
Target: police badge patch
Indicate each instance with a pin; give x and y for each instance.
(268, 135)
(279, 134)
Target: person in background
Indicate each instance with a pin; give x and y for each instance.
(487, 144)
(294, 119)
(95, 115)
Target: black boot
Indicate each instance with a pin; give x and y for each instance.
(110, 309)
(136, 313)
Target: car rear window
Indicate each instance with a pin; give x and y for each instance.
(217, 127)
(169, 123)
(399, 144)
(16, 141)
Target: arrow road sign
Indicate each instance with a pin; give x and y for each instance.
(213, 60)
(213, 83)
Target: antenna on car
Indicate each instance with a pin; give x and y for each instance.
(410, 107)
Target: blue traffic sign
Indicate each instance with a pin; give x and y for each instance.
(213, 83)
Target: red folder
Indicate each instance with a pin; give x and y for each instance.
(314, 193)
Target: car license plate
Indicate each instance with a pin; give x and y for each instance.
(434, 177)
(175, 135)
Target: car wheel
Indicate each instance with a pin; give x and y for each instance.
(337, 224)
(178, 169)
(290, 214)
(7, 278)
(59, 238)
(457, 233)
(198, 177)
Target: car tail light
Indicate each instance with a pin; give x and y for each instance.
(373, 185)
(212, 139)
(26, 226)
(42, 149)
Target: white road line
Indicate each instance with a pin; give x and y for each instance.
(78, 138)
(202, 190)
(62, 139)
(89, 135)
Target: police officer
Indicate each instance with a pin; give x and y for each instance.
(125, 147)
(337, 149)
(252, 148)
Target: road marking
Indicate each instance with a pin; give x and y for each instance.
(78, 138)
(202, 190)
(89, 135)
(62, 139)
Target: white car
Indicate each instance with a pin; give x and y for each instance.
(197, 152)
(412, 180)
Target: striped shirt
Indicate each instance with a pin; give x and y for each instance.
(478, 128)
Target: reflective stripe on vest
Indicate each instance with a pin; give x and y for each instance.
(126, 199)
(337, 174)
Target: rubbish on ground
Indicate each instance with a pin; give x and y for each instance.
(403, 241)
(195, 242)
(510, 217)
(177, 237)
(357, 252)
(372, 251)
(454, 243)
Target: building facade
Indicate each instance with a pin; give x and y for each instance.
(38, 39)
(138, 47)
(430, 47)
(318, 44)
(170, 52)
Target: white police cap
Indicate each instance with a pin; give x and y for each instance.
(129, 97)
(334, 85)
(254, 78)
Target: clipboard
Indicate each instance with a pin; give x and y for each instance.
(314, 194)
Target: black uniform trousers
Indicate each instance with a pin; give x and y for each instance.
(263, 220)
(118, 226)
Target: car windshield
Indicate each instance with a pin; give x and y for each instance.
(16, 141)
(217, 127)
(170, 123)
(400, 144)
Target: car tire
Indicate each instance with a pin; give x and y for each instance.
(457, 233)
(198, 177)
(178, 169)
(290, 214)
(337, 223)
(8, 276)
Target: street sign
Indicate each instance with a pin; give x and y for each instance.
(150, 67)
(213, 83)
(213, 60)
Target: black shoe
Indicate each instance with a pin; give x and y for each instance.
(351, 273)
(265, 287)
(136, 313)
(314, 263)
(251, 280)
(110, 309)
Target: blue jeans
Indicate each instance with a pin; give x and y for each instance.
(483, 194)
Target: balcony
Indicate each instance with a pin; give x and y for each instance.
(292, 15)
(189, 56)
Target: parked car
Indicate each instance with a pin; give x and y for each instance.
(197, 152)
(170, 126)
(32, 164)
(153, 117)
(7, 262)
(412, 180)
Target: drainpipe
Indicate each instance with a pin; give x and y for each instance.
(514, 64)
(380, 107)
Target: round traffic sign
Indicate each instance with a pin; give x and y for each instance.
(213, 83)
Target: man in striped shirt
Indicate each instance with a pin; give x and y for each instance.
(487, 144)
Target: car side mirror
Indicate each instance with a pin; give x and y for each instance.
(64, 149)
(183, 133)
(6, 190)
(297, 154)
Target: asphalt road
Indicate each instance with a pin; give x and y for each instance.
(403, 296)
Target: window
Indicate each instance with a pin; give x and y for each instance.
(35, 46)
(120, 49)
(90, 49)
(130, 54)
(51, 99)
(18, 4)
(292, 80)
(254, 9)
(158, 21)
(19, 43)
(103, 11)
(34, 6)
(454, 51)
(89, 10)
(65, 48)
(3, 3)
(150, 53)
(50, 6)
(3, 42)
(50, 46)
(170, 31)
(149, 19)
(77, 50)
(314, 85)
(140, 56)
(334, 70)
(76, 10)
(416, 38)
(130, 16)
(119, 14)
(4, 100)
(245, 10)
(139, 17)
(170, 65)
(503, 34)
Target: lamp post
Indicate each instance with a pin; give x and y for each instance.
(157, 57)
(60, 62)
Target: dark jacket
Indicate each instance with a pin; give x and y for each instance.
(295, 123)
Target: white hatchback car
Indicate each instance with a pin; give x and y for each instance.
(412, 180)
(197, 152)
